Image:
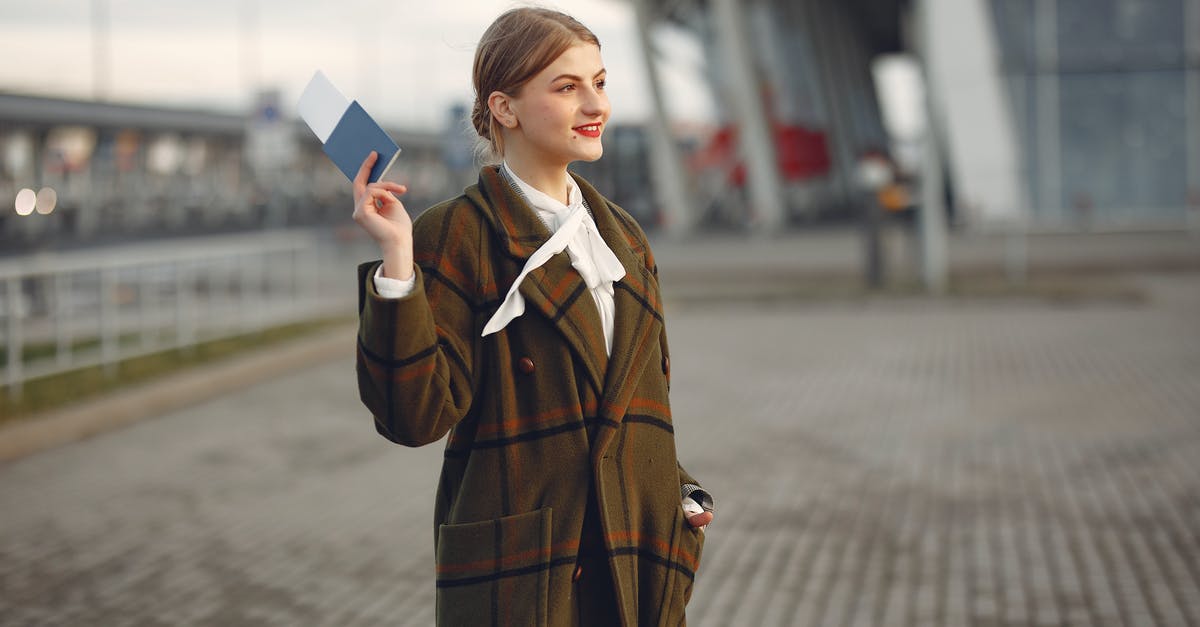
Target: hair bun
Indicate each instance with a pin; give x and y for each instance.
(479, 119)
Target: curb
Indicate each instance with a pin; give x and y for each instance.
(194, 385)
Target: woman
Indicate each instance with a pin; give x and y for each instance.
(524, 319)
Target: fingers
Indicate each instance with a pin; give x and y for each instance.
(387, 197)
(382, 189)
(384, 199)
(389, 186)
(380, 194)
(374, 203)
(384, 194)
(700, 520)
(364, 173)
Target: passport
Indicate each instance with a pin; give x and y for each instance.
(347, 132)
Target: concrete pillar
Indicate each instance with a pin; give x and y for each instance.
(934, 262)
(1047, 109)
(976, 131)
(932, 218)
(670, 178)
(755, 140)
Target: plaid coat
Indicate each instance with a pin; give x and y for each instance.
(535, 413)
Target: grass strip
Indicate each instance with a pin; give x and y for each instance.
(52, 391)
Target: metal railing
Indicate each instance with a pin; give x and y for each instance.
(73, 310)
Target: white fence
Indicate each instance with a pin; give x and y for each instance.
(73, 310)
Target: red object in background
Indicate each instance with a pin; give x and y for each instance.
(802, 153)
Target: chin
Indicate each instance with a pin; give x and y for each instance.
(591, 155)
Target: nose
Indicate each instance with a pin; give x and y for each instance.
(596, 103)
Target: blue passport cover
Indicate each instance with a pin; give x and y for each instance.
(354, 137)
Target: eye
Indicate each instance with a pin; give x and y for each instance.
(567, 87)
(602, 83)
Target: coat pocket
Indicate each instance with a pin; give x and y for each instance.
(691, 545)
(494, 572)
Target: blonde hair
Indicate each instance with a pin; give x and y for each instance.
(518, 45)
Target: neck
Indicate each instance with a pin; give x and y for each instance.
(550, 179)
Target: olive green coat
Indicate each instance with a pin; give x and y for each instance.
(535, 412)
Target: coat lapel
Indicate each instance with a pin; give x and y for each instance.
(555, 289)
(638, 318)
(558, 292)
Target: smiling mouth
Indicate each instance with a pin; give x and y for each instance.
(588, 130)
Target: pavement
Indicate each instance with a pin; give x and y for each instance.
(80, 420)
(887, 460)
(825, 264)
(893, 461)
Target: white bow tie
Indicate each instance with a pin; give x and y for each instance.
(578, 235)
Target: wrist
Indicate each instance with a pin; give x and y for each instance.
(398, 262)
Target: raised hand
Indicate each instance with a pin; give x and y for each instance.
(381, 214)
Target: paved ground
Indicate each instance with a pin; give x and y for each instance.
(890, 462)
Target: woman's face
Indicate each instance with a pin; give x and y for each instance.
(561, 112)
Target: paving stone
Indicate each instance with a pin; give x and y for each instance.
(891, 462)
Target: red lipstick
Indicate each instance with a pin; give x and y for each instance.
(589, 130)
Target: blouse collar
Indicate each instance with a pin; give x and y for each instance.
(549, 209)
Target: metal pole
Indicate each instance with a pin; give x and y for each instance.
(293, 276)
(185, 304)
(109, 328)
(670, 185)
(242, 308)
(934, 271)
(314, 280)
(62, 318)
(754, 130)
(319, 281)
(1191, 72)
(249, 280)
(269, 279)
(871, 239)
(145, 323)
(16, 376)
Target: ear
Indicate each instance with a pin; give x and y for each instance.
(501, 106)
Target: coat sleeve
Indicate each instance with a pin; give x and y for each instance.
(415, 354)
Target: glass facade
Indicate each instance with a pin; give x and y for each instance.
(1099, 96)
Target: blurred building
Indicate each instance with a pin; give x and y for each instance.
(80, 173)
(1054, 114)
(1051, 114)
(793, 81)
(1104, 96)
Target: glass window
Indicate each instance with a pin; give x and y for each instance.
(1122, 154)
(1098, 35)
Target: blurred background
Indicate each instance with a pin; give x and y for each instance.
(932, 266)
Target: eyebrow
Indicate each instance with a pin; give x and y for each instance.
(574, 77)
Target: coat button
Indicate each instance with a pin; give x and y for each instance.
(526, 365)
(578, 573)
